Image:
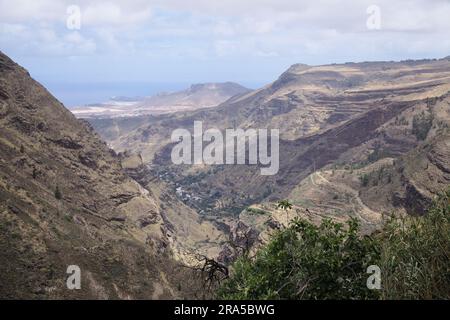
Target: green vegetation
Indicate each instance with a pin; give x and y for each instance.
(415, 254)
(380, 176)
(364, 180)
(401, 121)
(286, 206)
(329, 261)
(421, 125)
(377, 154)
(306, 261)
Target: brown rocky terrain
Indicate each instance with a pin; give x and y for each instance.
(65, 200)
(303, 101)
(340, 125)
(357, 140)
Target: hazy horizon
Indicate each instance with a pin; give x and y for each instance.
(73, 94)
(64, 44)
(79, 94)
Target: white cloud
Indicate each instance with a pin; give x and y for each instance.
(259, 27)
(249, 39)
(109, 13)
(25, 11)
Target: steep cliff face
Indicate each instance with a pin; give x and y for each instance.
(65, 200)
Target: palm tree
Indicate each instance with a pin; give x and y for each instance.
(285, 205)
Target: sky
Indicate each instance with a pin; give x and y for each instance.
(86, 51)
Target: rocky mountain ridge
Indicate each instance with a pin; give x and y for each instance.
(197, 96)
(66, 200)
(354, 119)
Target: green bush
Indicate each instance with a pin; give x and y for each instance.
(329, 261)
(377, 154)
(421, 125)
(415, 255)
(306, 261)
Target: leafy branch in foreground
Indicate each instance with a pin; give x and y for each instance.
(306, 261)
(329, 261)
(415, 255)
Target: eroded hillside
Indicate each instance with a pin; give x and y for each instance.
(65, 200)
(354, 138)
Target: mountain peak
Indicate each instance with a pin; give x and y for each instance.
(197, 96)
(227, 86)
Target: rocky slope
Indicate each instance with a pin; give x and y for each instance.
(303, 101)
(340, 126)
(65, 200)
